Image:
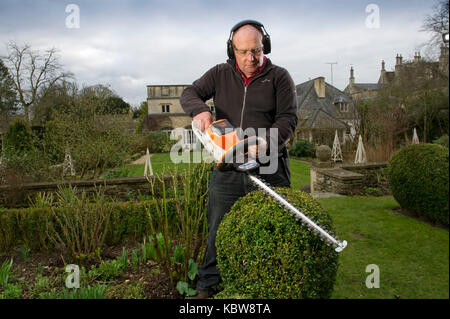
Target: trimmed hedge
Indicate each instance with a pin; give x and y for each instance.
(418, 176)
(264, 252)
(28, 226)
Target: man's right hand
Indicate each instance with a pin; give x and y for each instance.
(203, 120)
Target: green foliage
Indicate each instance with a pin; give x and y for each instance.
(127, 220)
(155, 141)
(7, 92)
(107, 270)
(96, 291)
(443, 140)
(135, 258)
(302, 148)
(5, 271)
(96, 141)
(184, 287)
(131, 291)
(79, 227)
(263, 252)
(418, 176)
(190, 197)
(18, 139)
(373, 191)
(12, 292)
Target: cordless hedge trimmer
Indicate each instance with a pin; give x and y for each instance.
(221, 140)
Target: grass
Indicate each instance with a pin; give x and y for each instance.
(161, 164)
(412, 256)
(300, 175)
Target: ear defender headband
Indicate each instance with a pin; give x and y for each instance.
(259, 26)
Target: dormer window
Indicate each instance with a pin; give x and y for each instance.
(341, 103)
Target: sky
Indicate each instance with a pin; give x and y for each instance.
(130, 44)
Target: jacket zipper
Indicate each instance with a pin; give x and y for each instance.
(245, 94)
(243, 105)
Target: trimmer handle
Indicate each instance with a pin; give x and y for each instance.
(229, 160)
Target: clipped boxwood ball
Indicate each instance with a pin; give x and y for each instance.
(264, 252)
(418, 177)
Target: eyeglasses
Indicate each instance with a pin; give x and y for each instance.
(254, 52)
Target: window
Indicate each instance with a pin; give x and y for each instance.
(343, 106)
(212, 108)
(165, 108)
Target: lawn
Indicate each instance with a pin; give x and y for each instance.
(412, 256)
(161, 163)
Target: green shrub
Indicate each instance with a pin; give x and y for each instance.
(302, 148)
(443, 140)
(418, 176)
(155, 141)
(263, 252)
(18, 138)
(28, 226)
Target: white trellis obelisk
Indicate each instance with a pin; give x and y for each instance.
(148, 164)
(68, 164)
(415, 139)
(360, 152)
(336, 153)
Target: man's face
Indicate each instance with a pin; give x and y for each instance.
(248, 49)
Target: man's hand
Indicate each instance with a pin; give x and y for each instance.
(203, 120)
(259, 150)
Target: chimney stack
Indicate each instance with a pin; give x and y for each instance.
(319, 86)
(398, 63)
(352, 78)
(416, 57)
(398, 59)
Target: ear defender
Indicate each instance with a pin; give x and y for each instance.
(259, 26)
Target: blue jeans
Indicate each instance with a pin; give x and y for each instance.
(225, 188)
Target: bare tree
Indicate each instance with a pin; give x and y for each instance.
(33, 72)
(437, 23)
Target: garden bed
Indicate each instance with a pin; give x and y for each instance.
(37, 273)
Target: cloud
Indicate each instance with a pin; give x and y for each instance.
(131, 44)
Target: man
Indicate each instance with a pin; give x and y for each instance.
(251, 93)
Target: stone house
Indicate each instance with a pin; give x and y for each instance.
(361, 91)
(322, 110)
(166, 114)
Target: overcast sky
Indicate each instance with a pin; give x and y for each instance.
(131, 44)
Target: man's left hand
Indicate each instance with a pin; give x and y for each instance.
(259, 150)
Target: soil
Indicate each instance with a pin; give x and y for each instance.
(149, 276)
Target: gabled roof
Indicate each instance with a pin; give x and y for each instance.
(314, 112)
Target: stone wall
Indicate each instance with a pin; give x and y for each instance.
(117, 188)
(345, 179)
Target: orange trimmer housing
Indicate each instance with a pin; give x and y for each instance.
(225, 137)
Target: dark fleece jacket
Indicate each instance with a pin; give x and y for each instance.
(269, 101)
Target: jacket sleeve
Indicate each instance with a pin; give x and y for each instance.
(193, 98)
(286, 109)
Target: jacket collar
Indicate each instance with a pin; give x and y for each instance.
(267, 67)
